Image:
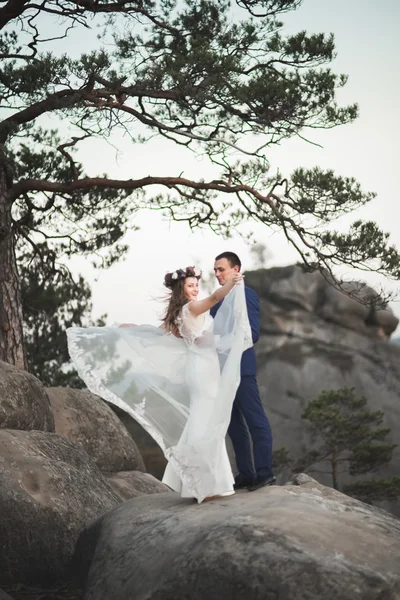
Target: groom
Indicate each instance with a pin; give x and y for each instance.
(248, 421)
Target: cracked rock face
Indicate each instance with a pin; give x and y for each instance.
(314, 338)
(293, 542)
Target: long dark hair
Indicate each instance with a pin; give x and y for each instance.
(176, 302)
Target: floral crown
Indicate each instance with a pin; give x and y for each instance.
(171, 278)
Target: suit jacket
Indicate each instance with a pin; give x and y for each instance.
(249, 364)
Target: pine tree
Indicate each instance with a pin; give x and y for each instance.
(349, 437)
(218, 77)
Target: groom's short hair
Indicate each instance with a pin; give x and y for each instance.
(232, 259)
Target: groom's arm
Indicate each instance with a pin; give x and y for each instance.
(253, 311)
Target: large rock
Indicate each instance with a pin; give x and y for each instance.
(24, 403)
(49, 490)
(315, 338)
(296, 542)
(86, 420)
(130, 484)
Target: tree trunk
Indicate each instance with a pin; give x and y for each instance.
(11, 336)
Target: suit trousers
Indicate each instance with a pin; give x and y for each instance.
(249, 426)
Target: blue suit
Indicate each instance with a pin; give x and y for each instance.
(249, 423)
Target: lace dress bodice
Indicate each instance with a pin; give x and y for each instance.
(195, 331)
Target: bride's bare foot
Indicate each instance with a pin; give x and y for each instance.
(223, 495)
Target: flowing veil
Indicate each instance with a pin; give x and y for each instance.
(142, 371)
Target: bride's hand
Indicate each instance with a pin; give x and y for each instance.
(128, 325)
(238, 278)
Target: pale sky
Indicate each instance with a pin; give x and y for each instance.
(367, 44)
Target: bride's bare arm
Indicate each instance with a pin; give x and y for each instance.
(202, 306)
(128, 325)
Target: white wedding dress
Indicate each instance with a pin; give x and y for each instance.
(180, 390)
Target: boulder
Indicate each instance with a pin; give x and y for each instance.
(130, 484)
(86, 420)
(49, 490)
(4, 596)
(294, 542)
(24, 403)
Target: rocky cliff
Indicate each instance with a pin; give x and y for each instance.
(315, 338)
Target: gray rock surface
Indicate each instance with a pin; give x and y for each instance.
(24, 403)
(49, 490)
(294, 542)
(130, 484)
(314, 338)
(86, 420)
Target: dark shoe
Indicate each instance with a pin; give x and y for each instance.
(241, 483)
(261, 482)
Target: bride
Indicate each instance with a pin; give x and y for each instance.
(178, 380)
